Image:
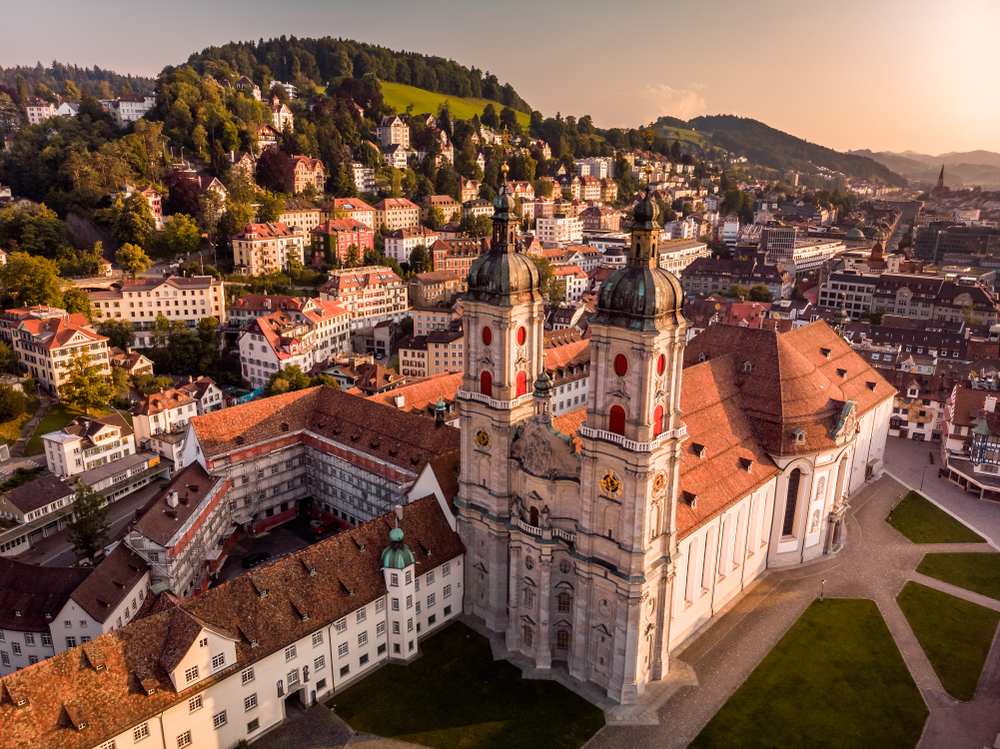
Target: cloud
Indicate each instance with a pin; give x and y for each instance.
(645, 105)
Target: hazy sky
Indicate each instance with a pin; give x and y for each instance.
(880, 74)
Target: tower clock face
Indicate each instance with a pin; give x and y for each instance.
(659, 484)
(482, 438)
(611, 484)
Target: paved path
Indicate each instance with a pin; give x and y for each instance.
(17, 450)
(875, 563)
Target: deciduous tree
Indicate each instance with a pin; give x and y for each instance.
(28, 281)
(132, 259)
(88, 530)
(86, 385)
(120, 333)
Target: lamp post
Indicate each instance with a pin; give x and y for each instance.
(822, 585)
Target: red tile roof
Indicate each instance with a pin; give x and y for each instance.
(35, 592)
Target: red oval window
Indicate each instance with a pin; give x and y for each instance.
(661, 364)
(621, 365)
(487, 336)
(522, 336)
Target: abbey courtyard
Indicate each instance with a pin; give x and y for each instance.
(720, 547)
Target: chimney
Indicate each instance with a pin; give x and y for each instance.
(172, 499)
(399, 401)
(399, 512)
(991, 404)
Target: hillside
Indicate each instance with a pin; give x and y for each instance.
(400, 96)
(88, 80)
(961, 169)
(320, 60)
(675, 129)
(772, 148)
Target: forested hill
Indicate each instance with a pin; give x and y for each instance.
(87, 80)
(321, 60)
(772, 148)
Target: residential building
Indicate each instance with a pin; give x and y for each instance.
(596, 166)
(364, 177)
(352, 208)
(308, 171)
(39, 110)
(163, 412)
(708, 275)
(130, 108)
(247, 87)
(396, 213)
(88, 442)
(267, 137)
(678, 254)
(573, 280)
(948, 242)
(455, 256)
(10, 319)
(242, 161)
(848, 290)
(435, 287)
(477, 207)
(412, 353)
(303, 335)
(426, 319)
(397, 156)
(331, 241)
(246, 309)
(281, 116)
(448, 205)
(401, 242)
(393, 131)
(601, 218)
(445, 350)
(207, 395)
(140, 301)
(267, 248)
(559, 231)
(300, 214)
(131, 361)
(371, 294)
(940, 297)
(45, 349)
(470, 188)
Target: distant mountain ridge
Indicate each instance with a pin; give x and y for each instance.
(961, 168)
(772, 148)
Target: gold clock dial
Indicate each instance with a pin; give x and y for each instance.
(482, 438)
(659, 484)
(611, 484)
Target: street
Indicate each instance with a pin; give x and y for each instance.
(56, 549)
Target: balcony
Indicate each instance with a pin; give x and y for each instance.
(493, 402)
(633, 445)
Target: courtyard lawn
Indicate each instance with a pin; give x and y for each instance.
(58, 416)
(400, 96)
(455, 696)
(955, 634)
(924, 523)
(976, 571)
(836, 680)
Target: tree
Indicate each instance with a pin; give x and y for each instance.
(270, 208)
(736, 290)
(286, 380)
(274, 172)
(760, 293)
(421, 260)
(76, 301)
(70, 91)
(28, 281)
(11, 402)
(7, 357)
(353, 259)
(435, 217)
(120, 381)
(133, 220)
(120, 333)
(545, 274)
(132, 259)
(86, 385)
(489, 117)
(209, 343)
(181, 235)
(476, 226)
(88, 530)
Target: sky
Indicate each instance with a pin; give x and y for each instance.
(887, 75)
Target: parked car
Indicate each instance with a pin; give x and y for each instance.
(325, 529)
(252, 560)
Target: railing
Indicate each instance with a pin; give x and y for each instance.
(534, 530)
(493, 402)
(633, 445)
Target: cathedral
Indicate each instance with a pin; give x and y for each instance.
(598, 540)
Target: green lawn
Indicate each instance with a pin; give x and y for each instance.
(683, 135)
(978, 572)
(400, 96)
(58, 416)
(955, 634)
(925, 523)
(455, 696)
(836, 679)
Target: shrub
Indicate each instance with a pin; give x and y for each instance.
(11, 403)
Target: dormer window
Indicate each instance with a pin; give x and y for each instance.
(798, 437)
(747, 366)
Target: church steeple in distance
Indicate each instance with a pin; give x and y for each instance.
(941, 177)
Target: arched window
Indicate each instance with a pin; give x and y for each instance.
(791, 502)
(621, 365)
(522, 383)
(616, 420)
(657, 420)
(692, 570)
(562, 639)
(533, 514)
(564, 602)
(486, 383)
(522, 336)
(487, 336)
(529, 636)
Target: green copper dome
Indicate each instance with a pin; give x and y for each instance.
(397, 555)
(855, 233)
